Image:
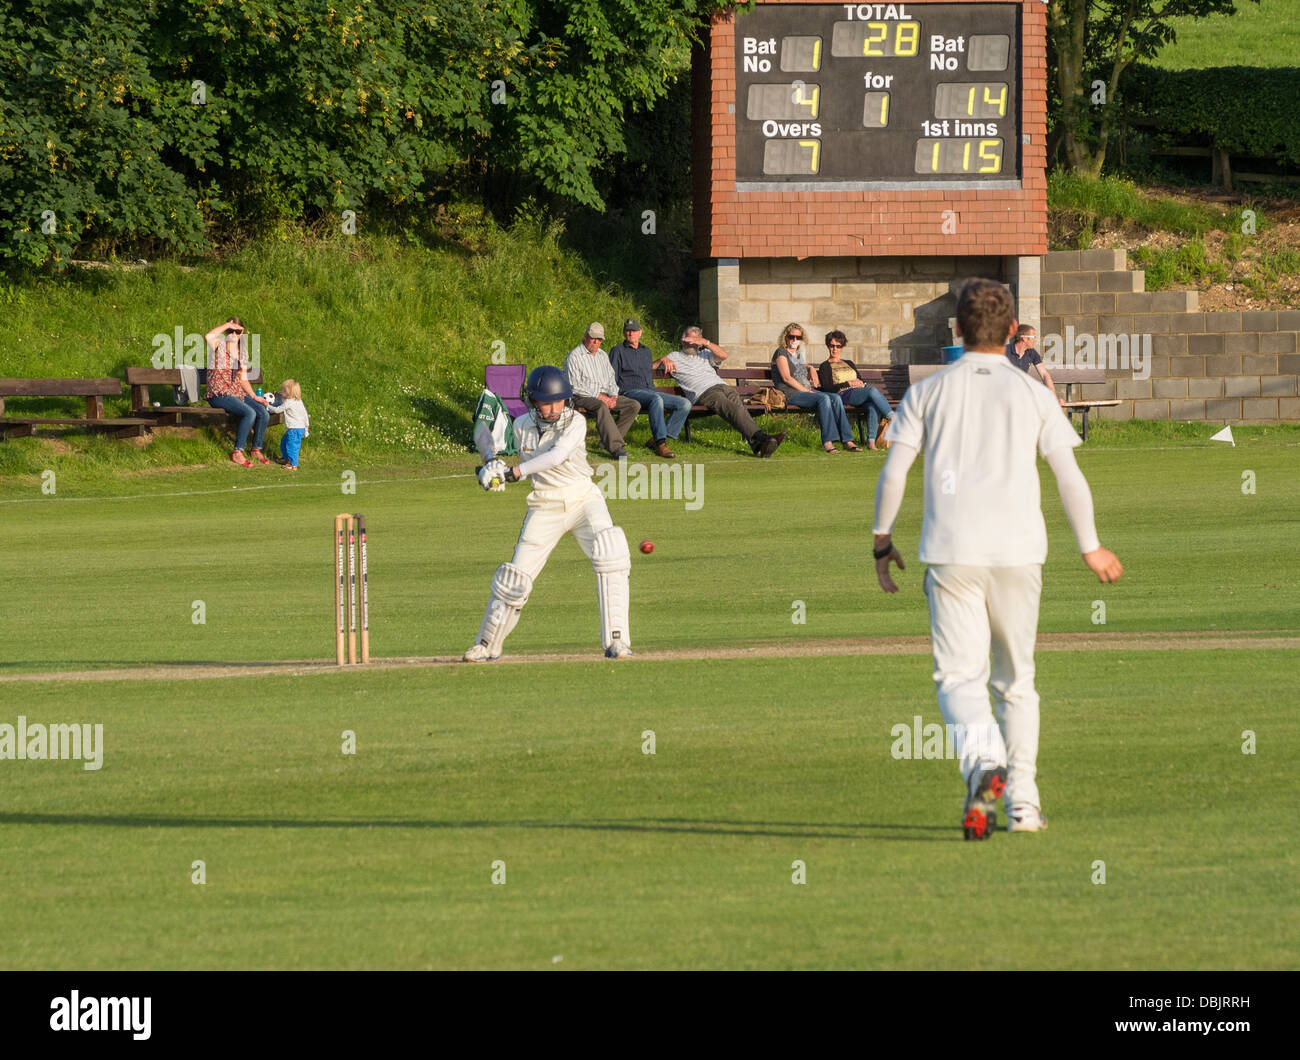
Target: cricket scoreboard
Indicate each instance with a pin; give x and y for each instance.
(903, 130)
(877, 96)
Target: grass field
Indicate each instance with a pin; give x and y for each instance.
(223, 751)
(1263, 34)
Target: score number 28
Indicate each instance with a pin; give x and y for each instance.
(873, 40)
(906, 36)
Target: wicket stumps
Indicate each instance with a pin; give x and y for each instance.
(346, 528)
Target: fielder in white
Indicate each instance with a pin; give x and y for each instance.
(552, 441)
(980, 421)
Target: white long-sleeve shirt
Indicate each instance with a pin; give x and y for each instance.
(590, 373)
(555, 460)
(980, 422)
(295, 413)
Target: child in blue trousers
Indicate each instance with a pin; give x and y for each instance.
(296, 422)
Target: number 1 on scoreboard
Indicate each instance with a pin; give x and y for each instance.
(875, 110)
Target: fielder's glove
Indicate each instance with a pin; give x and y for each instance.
(492, 476)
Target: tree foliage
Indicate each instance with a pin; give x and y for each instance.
(130, 120)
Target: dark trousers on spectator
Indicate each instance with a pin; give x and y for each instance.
(723, 401)
(612, 431)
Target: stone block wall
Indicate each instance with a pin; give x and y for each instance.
(892, 310)
(1230, 367)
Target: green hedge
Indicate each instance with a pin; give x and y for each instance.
(1245, 110)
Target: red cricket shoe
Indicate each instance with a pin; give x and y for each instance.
(978, 819)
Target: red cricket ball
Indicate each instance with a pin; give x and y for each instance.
(647, 547)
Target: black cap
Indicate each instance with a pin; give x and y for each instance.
(631, 325)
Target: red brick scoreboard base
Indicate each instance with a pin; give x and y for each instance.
(854, 162)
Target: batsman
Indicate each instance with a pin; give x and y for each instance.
(552, 441)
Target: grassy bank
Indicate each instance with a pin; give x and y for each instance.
(1180, 240)
(388, 336)
(1263, 34)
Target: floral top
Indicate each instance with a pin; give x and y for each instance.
(223, 375)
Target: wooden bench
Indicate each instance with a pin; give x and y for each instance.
(738, 377)
(92, 390)
(141, 379)
(1069, 377)
(890, 379)
(1080, 377)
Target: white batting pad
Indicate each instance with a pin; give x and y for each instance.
(611, 561)
(510, 589)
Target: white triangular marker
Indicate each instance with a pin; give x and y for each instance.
(1224, 435)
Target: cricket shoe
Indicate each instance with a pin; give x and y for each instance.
(478, 653)
(1026, 819)
(978, 817)
(618, 650)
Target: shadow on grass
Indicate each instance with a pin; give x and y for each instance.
(667, 825)
(135, 664)
(453, 420)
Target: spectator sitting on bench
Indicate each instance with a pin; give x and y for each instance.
(1021, 353)
(229, 389)
(694, 369)
(634, 367)
(591, 378)
(791, 376)
(838, 376)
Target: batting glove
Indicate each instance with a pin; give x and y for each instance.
(492, 476)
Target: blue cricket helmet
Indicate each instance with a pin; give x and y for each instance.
(547, 384)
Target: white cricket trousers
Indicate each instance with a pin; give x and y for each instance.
(975, 610)
(551, 516)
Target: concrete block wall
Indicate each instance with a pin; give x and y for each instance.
(892, 310)
(1236, 367)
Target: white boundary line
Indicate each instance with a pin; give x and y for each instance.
(204, 493)
(281, 485)
(719, 461)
